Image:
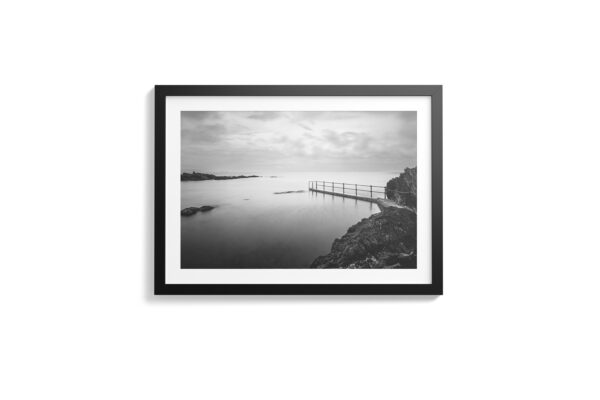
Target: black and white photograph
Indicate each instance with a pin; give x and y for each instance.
(299, 189)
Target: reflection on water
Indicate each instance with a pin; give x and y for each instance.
(254, 228)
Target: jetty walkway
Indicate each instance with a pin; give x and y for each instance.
(370, 193)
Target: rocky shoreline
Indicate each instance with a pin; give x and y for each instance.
(199, 176)
(403, 189)
(384, 240)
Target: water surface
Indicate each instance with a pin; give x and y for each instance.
(254, 228)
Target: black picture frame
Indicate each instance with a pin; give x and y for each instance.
(161, 93)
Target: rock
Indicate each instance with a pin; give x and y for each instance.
(290, 191)
(386, 203)
(403, 189)
(390, 259)
(199, 176)
(384, 240)
(187, 212)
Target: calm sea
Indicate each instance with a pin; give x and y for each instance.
(251, 227)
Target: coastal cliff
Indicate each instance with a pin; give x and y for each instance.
(384, 240)
(199, 176)
(403, 189)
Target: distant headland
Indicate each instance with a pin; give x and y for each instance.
(199, 176)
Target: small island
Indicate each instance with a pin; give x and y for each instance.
(199, 176)
(188, 212)
(290, 191)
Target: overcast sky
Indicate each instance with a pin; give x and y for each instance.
(280, 141)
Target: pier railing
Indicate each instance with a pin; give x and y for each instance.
(348, 189)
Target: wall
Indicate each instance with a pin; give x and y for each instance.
(519, 314)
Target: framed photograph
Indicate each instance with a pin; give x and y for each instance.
(298, 190)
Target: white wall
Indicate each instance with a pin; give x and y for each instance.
(520, 315)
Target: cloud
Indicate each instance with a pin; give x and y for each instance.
(335, 140)
(211, 133)
(305, 126)
(265, 115)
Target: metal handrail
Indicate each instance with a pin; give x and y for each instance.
(346, 183)
(352, 187)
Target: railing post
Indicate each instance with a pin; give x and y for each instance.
(356, 190)
(371, 191)
(343, 188)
